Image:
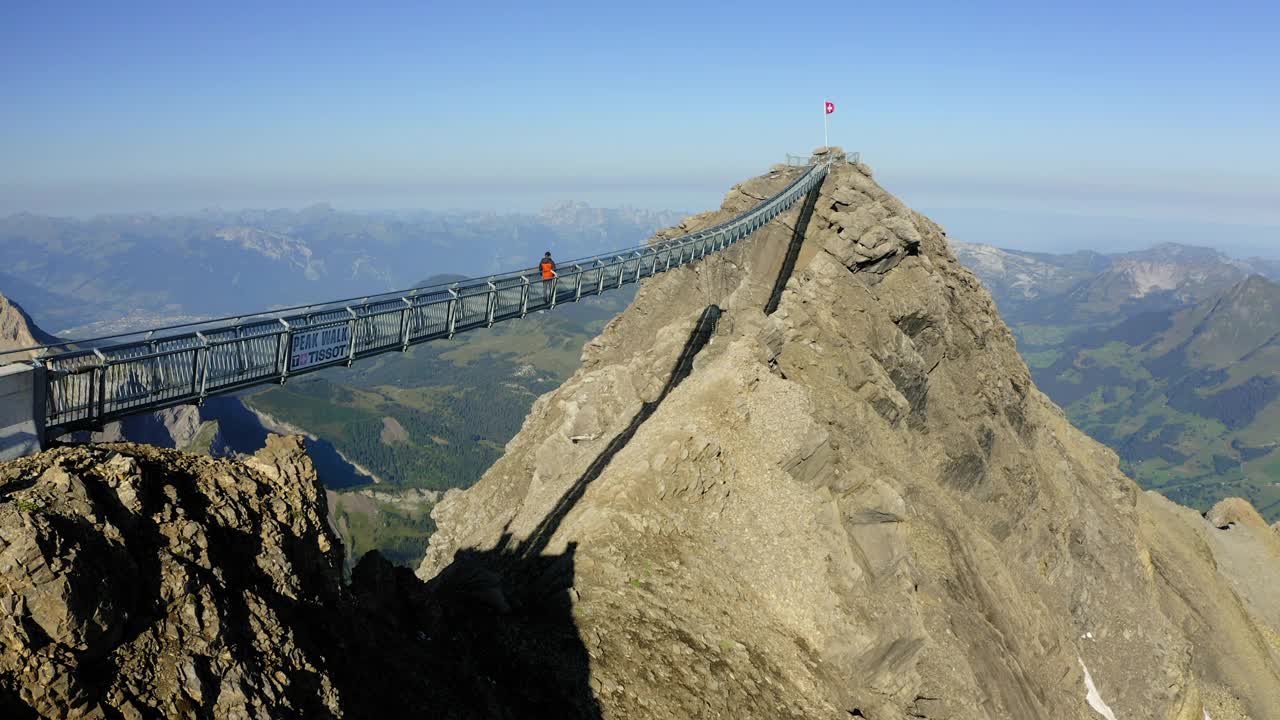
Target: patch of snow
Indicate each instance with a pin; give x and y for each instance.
(1093, 696)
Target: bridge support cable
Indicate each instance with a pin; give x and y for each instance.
(793, 249)
(698, 339)
(100, 380)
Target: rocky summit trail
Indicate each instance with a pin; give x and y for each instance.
(858, 505)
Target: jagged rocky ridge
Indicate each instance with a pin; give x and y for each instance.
(857, 506)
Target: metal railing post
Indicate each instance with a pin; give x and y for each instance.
(283, 354)
(351, 339)
(89, 394)
(406, 316)
(240, 353)
(577, 286)
(491, 304)
(524, 296)
(203, 350)
(50, 401)
(102, 387)
(451, 317)
(639, 265)
(555, 288)
(153, 367)
(600, 281)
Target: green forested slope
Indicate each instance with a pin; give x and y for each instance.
(1190, 399)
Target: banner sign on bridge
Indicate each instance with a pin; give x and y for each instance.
(322, 345)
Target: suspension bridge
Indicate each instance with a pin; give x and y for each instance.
(84, 384)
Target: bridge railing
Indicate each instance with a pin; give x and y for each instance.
(805, 160)
(89, 387)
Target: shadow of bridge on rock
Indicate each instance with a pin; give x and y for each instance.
(537, 541)
(499, 623)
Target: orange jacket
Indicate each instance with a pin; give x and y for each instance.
(548, 268)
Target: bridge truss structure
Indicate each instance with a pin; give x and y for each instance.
(88, 383)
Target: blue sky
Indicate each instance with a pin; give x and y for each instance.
(1163, 111)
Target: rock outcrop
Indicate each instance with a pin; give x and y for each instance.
(178, 427)
(161, 584)
(137, 582)
(857, 506)
(1247, 553)
(18, 331)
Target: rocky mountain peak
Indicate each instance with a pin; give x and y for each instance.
(17, 330)
(856, 505)
(806, 477)
(1255, 299)
(581, 216)
(1171, 251)
(1186, 271)
(274, 246)
(1257, 284)
(1019, 274)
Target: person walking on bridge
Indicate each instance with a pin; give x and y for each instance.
(548, 269)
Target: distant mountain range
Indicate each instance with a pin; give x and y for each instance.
(1171, 356)
(131, 271)
(1086, 287)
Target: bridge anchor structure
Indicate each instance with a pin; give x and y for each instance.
(83, 385)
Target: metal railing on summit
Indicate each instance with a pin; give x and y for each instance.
(92, 382)
(806, 160)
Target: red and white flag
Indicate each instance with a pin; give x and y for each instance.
(831, 107)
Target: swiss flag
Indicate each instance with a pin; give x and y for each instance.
(831, 107)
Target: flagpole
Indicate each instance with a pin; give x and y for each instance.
(825, 141)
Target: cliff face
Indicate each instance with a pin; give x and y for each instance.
(137, 582)
(859, 505)
(176, 427)
(140, 580)
(18, 331)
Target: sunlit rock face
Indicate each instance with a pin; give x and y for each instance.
(856, 506)
(859, 505)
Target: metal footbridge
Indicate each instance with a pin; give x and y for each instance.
(87, 383)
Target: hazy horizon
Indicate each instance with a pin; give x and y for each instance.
(1097, 109)
(1051, 232)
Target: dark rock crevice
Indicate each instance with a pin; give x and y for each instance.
(793, 249)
